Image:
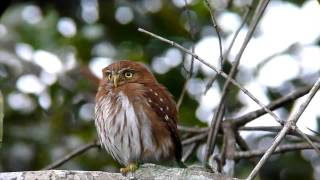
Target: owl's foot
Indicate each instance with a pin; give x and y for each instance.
(130, 168)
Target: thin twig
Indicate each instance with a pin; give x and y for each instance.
(241, 142)
(272, 56)
(199, 137)
(281, 149)
(225, 55)
(292, 120)
(71, 155)
(269, 152)
(247, 128)
(277, 129)
(305, 137)
(315, 132)
(257, 16)
(213, 132)
(243, 146)
(261, 128)
(216, 27)
(215, 122)
(213, 68)
(182, 94)
(192, 129)
(242, 120)
(189, 151)
(192, 34)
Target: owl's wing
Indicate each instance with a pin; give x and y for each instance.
(162, 103)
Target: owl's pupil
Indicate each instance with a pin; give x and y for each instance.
(128, 74)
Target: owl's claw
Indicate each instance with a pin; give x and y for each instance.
(129, 168)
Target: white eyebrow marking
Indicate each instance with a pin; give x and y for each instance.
(161, 109)
(125, 69)
(149, 100)
(161, 99)
(167, 107)
(156, 94)
(151, 90)
(166, 117)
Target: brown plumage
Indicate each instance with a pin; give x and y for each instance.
(135, 117)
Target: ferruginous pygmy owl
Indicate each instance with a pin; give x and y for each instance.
(135, 117)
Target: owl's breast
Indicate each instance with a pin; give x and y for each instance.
(125, 129)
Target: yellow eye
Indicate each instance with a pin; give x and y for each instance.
(128, 75)
(109, 76)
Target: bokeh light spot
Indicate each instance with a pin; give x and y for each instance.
(48, 61)
(97, 64)
(124, 15)
(31, 14)
(67, 27)
(20, 102)
(24, 51)
(30, 83)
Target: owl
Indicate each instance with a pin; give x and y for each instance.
(136, 117)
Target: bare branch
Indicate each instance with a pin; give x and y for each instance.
(193, 139)
(225, 55)
(71, 155)
(216, 27)
(213, 68)
(192, 129)
(213, 132)
(305, 137)
(272, 56)
(281, 149)
(189, 151)
(243, 146)
(215, 124)
(292, 120)
(242, 120)
(183, 91)
(192, 34)
(277, 129)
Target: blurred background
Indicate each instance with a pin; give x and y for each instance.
(52, 52)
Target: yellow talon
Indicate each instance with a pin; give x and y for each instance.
(129, 168)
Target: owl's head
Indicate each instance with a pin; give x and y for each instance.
(122, 72)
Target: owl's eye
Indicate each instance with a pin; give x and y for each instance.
(128, 75)
(109, 76)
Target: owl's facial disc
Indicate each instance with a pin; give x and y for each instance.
(119, 77)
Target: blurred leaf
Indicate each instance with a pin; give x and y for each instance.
(1, 117)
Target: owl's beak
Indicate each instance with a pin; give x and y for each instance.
(115, 80)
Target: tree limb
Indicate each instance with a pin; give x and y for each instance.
(146, 171)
